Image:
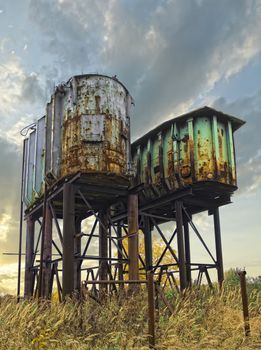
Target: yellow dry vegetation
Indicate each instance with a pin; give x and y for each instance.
(202, 319)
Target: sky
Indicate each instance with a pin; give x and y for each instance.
(172, 55)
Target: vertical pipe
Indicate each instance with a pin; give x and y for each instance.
(47, 254)
(103, 248)
(68, 239)
(133, 240)
(21, 227)
(77, 254)
(29, 254)
(187, 253)
(242, 275)
(181, 250)
(220, 269)
(120, 264)
(151, 309)
(40, 278)
(147, 243)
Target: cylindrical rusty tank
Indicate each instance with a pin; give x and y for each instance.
(88, 123)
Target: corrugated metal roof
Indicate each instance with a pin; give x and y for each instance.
(207, 111)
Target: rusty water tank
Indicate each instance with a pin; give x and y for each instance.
(88, 127)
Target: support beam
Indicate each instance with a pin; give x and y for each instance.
(148, 243)
(103, 248)
(120, 256)
(47, 254)
(151, 309)
(187, 253)
(29, 255)
(220, 268)
(133, 239)
(77, 253)
(181, 250)
(68, 239)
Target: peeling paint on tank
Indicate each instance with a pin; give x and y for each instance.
(194, 149)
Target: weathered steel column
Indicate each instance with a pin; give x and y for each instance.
(151, 309)
(219, 256)
(120, 264)
(181, 250)
(47, 254)
(147, 243)
(68, 239)
(133, 239)
(77, 253)
(187, 252)
(29, 255)
(103, 248)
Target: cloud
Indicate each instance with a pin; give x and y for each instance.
(166, 52)
(247, 139)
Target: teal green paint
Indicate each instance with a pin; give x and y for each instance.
(204, 164)
(231, 152)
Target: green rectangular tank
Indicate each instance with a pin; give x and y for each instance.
(197, 147)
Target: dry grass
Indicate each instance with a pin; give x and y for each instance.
(202, 320)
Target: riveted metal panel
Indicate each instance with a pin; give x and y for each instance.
(92, 128)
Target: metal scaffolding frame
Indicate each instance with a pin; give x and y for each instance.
(63, 259)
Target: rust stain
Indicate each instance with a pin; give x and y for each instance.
(95, 134)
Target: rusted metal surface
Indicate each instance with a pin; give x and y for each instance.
(103, 248)
(219, 255)
(133, 238)
(96, 125)
(68, 239)
(242, 276)
(189, 149)
(151, 309)
(28, 277)
(86, 129)
(47, 254)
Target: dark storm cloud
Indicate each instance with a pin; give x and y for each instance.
(247, 139)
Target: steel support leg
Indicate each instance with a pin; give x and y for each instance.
(151, 309)
(47, 254)
(29, 254)
(133, 240)
(147, 243)
(181, 250)
(103, 248)
(187, 253)
(120, 264)
(77, 253)
(220, 268)
(68, 239)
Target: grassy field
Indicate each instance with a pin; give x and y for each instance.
(202, 320)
